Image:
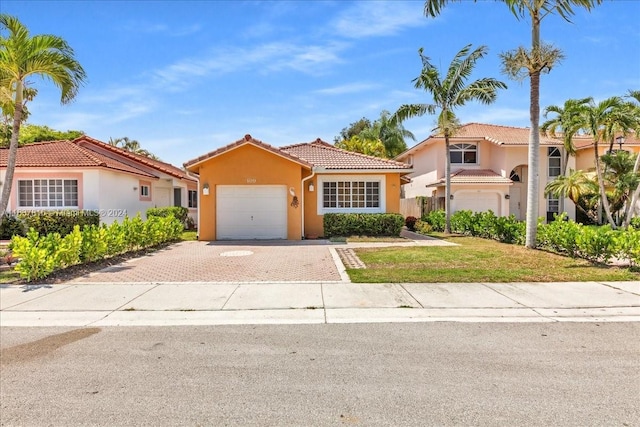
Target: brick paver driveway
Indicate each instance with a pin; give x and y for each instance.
(272, 261)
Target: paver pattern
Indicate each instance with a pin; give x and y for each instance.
(225, 262)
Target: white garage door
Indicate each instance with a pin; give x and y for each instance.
(477, 201)
(251, 212)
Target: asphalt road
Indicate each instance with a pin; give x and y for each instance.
(533, 374)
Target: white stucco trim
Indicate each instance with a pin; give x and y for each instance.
(366, 178)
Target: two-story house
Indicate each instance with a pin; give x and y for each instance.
(489, 169)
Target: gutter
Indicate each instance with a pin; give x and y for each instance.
(313, 173)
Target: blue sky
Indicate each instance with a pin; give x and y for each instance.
(186, 77)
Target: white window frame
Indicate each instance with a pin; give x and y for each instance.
(464, 147)
(46, 193)
(190, 203)
(556, 201)
(551, 150)
(380, 179)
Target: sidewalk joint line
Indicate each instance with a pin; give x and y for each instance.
(232, 293)
(110, 312)
(410, 294)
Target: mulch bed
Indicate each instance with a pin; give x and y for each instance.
(76, 271)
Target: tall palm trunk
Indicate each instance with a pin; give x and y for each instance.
(13, 149)
(603, 193)
(533, 186)
(447, 183)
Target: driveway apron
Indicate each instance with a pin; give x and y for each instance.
(251, 261)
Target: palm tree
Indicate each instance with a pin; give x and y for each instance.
(567, 122)
(577, 185)
(392, 134)
(541, 58)
(602, 120)
(21, 57)
(450, 92)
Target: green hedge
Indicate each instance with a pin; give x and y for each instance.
(178, 212)
(40, 255)
(45, 222)
(11, 225)
(351, 224)
(597, 244)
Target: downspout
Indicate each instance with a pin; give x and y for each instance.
(313, 173)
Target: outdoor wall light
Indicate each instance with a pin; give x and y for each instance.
(506, 196)
(292, 191)
(205, 190)
(311, 187)
(451, 197)
(135, 188)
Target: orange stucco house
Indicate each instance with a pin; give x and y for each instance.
(252, 190)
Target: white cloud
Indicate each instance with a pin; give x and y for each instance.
(378, 18)
(346, 89)
(276, 56)
(157, 28)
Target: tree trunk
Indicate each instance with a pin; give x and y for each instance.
(533, 181)
(631, 207)
(447, 184)
(13, 153)
(603, 194)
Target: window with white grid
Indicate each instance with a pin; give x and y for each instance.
(48, 193)
(351, 195)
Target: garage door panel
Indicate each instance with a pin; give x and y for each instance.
(478, 202)
(251, 212)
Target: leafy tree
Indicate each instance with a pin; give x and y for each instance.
(602, 121)
(567, 122)
(621, 180)
(392, 134)
(579, 187)
(362, 144)
(21, 58)
(540, 58)
(450, 92)
(133, 146)
(389, 132)
(353, 129)
(36, 133)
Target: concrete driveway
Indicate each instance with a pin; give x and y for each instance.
(259, 261)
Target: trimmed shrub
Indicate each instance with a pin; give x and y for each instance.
(41, 255)
(61, 222)
(11, 225)
(423, 227)
(410, 222)
(178, 212)
(348, 224)
(436, 219)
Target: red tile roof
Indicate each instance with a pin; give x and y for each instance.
(312, 154)
(169, 169)
(85, 152)
(324, 155)
(473, 176)
(248, 139)
(497, 134)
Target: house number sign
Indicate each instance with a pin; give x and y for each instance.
(251, 180)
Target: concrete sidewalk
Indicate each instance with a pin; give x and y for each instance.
(193, 303)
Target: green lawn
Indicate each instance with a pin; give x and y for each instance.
(477, 260)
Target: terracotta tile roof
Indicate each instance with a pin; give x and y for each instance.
(89, 152)
(585, 141)
(312, 154)
(55, 154)
(248, 139)
(89, 143)
(325, 155)
(497, 134)
(474, 176)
